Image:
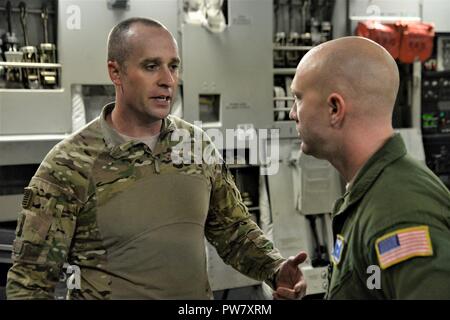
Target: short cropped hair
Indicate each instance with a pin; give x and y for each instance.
(118, 46)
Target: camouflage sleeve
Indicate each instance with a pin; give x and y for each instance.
(43, 235)
(238, 240)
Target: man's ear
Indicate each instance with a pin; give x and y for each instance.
(337, 109)
(114, 72)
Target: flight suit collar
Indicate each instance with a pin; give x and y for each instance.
(117, 144)
(392, 150)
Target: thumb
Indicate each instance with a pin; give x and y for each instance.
(298, 259)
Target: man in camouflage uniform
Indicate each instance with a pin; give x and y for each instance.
(392, 226)
(111, 199)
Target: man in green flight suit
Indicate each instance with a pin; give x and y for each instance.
(392, 226)
(113, 201)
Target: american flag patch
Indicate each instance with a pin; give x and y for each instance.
(403, 244)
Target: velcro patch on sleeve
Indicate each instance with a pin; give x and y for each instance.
(27, 199)
(403, 244)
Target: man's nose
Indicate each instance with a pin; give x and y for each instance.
(167, 78)
(293, 112)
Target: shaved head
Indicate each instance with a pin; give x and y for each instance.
(362, 71)
(344, 95)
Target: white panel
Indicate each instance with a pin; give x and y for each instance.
(437, 11)
(237, 64)
(34, 112)
(339, 19)
(413, 143)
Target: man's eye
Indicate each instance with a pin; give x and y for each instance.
(175, 67)
(151, 67)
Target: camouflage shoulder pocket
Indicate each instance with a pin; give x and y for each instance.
(36, 226)
(29, 245)
(33, 227)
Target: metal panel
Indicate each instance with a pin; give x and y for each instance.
(413, 143)
(16, 150)
(237, 64)
(289, 225)
(316, 278)
(34, 112)
(437, 11)
(317, 183)
(339, 20)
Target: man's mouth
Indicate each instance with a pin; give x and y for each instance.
(162, 98)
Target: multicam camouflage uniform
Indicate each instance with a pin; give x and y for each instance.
(132, 220)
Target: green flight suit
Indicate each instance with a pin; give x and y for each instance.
(391, 194)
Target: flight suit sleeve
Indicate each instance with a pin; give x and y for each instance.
(44, 233)
(417, 277)
(238, 240)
